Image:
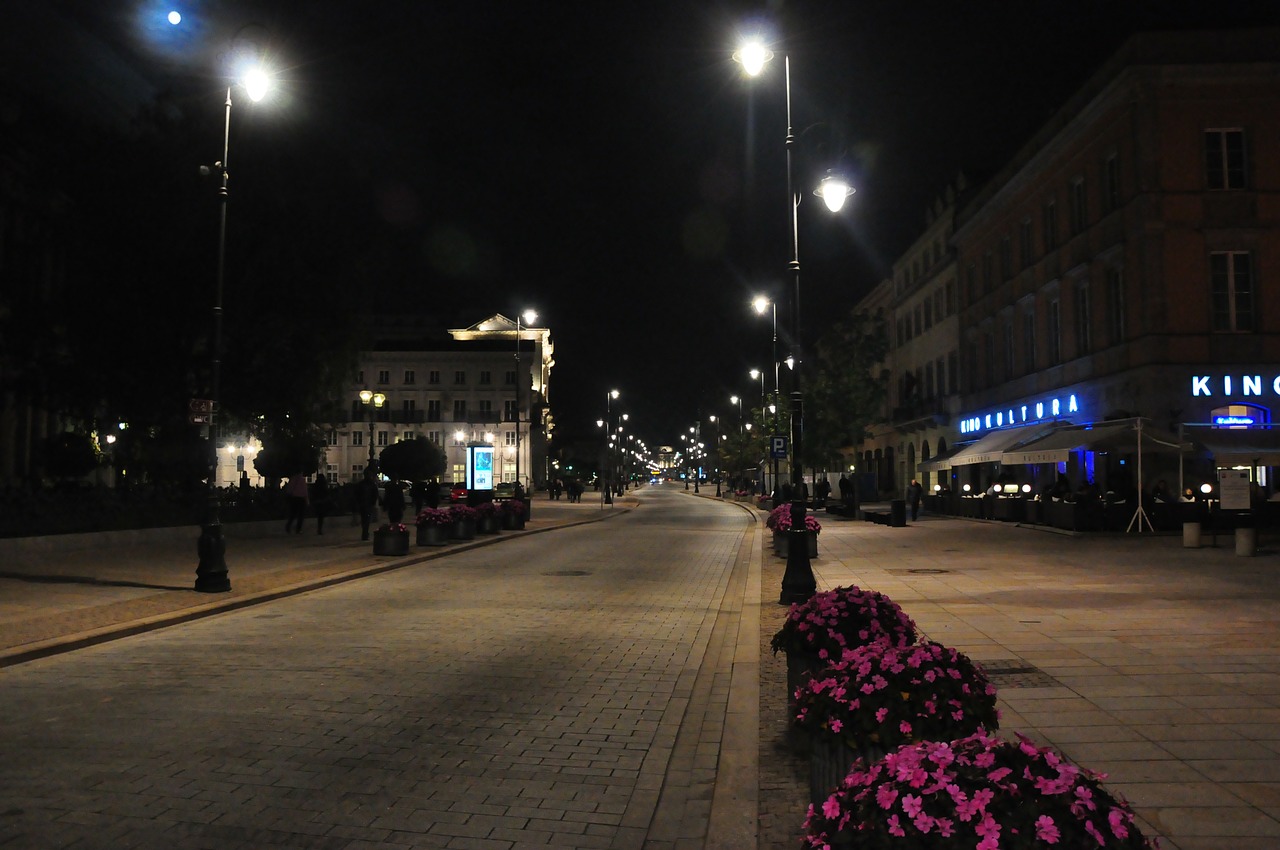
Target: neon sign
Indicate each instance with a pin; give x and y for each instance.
(1022, 414)
(1233, 420)
(1206, 385)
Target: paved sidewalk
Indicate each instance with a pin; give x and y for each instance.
(1156, 664)
(64, 592)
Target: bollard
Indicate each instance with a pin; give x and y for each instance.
(1191, 535)
(1247, 541)
(898, 513)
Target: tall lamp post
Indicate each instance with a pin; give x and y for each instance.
(798, 582)
(529, 317)
(761, 304)
(211, 572)
(373, 401)
(607, 466)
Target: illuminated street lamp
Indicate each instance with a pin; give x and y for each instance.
(529, 317)
(798, 582)
(374, 401)
(211, 572)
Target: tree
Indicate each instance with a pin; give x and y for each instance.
(412, 460)
(288, 451)
(846, 392)
(68, 455)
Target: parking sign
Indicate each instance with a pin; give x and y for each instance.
(778, 447)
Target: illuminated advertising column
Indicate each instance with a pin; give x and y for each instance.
(479, 467)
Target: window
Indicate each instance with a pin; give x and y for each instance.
(1231, 275)
(971, 368)
(486, 377)
(942, 376)
(509, 411)
(360, 377)
(510, 377)
(1082, 318)
(485, 408)
(917, 320)
(1224, 159)
(436, 437)
(357, 438)
(459, 378)
(1050, 225)
(382, 438)
(950, 298)
(410, 376)
(1007, 334)
(928, 314)
(509, 438)
(1055, 332)
(460, 410)
(989, 357)
(410, 408)
(331, 438)
(1025, 248)
(953, 372)
(1029, 340)
(1006, 258)
(409, 435)
(1111, 184)
(937, 303)
(384, 376)
(928, 381)
(433, 410)
(1115, 304)
(433, 377)
(1077, 206)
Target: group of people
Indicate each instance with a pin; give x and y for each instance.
(298, 495)
(572, 488)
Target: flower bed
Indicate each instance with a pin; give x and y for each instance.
(434, 516)
(892, 695)
(832, 621)
(979, 792)
(779, 519)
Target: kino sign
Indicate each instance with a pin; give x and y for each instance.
(1022, 414)
(1207, 385)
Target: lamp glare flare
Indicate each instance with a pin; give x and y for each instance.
(753, 57)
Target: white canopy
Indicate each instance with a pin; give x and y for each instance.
(990, 447)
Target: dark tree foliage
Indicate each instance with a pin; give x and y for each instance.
(412, 460)
(288, 451)
(68, 455)
(846, 391)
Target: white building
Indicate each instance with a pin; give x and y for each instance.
(474, 387)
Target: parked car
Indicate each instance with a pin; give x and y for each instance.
(457, 493)
(505, 490)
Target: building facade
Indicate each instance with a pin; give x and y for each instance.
(1121, 265)
(478, 386)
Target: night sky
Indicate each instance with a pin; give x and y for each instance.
(607, 163)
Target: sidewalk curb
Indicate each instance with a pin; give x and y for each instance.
(82, 640)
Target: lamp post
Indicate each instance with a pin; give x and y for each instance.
(529, 317)
(798, 582)
(211, 572)
(761, 304)
(374, 401)
(607, 466)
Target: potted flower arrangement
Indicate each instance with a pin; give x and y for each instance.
(512, 514)
(487, 518)
(779, 520)
(464, 522)
(819, 630)
(391, 539)
(433, 526)
(978, 792)
(881, 696)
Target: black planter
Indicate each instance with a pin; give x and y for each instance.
(391, 543)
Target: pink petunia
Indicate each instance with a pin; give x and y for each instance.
(1047, 830)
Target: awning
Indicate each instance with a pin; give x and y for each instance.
(991, 446)
(1241, 446)
(1118, 436)
(938, 463)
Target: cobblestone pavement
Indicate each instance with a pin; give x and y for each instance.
(560, 690)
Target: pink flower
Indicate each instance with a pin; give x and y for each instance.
(1118, 820)
(836, 726)
(886, 795)
(831, 808)
(1047, 830)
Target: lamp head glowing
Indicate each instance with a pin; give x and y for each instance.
(256, 83)
(529, 316)
(760, 303)
(834, 190)
(753, 56)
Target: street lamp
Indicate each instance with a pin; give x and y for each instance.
(608, 453)
(374, 401)
(529, 317)
(798, 582)
(211, 572)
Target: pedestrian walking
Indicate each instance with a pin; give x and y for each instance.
(914, 494)
(295, 496)
(366, 501)
(321, 500)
